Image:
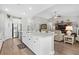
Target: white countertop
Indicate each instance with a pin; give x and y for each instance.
(39, 34)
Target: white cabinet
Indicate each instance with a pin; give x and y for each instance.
(40, 45)
(36, 45)
(25, 39)
(47, 45)
(30, 42)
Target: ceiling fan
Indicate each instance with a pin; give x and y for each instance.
(56, 15)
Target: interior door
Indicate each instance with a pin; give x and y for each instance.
(14, 30)
(17, 30)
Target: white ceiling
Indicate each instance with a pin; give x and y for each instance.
(24, 10)
(60, 9)
(41, 10)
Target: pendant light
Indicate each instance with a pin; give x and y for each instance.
(56, 15)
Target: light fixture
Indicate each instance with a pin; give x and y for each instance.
(30, 8)
(69, 30)
(6, 9)
(56, 15)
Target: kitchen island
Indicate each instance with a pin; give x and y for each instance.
(39, 43)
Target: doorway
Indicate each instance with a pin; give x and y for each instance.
(17, 30)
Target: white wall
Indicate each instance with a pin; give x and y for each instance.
(5, 26)
(24, 24)
(73, 19)
(8, 28)
(37, 21)
(2, 29)
(1, 23)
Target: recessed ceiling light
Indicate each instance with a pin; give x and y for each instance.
(30, 8)
(6, 9)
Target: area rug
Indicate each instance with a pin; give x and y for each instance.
(21, 46)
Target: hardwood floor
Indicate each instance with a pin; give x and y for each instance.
(10, 48)
(62, 48)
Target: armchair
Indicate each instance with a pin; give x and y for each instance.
(58, 36)
(77, 38)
